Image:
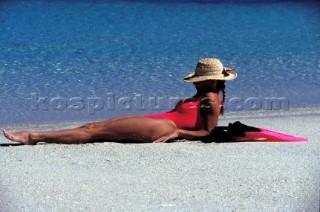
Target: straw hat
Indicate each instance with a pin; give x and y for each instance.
(211, 69)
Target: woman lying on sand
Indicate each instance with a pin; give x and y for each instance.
(191, 118)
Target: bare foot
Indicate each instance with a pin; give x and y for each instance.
(22, 137)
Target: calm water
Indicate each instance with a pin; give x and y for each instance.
(70, 60)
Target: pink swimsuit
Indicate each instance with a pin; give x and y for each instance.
(186, 114)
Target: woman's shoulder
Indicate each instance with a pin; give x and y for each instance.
(211, 95)
(208, 97)
(209, 103)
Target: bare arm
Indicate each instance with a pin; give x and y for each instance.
(211, 108)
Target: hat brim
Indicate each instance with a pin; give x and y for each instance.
(230, 75)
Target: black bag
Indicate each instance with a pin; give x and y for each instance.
(227, 134)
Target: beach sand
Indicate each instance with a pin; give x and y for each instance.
(180, 176)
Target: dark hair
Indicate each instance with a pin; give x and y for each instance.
(222, 87)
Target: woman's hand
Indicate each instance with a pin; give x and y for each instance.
(172, 136)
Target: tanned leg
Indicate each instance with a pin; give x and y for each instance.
(136, 128)
(71, 136)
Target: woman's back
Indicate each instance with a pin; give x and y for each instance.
(186, 114)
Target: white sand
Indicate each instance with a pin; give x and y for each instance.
(184, 176)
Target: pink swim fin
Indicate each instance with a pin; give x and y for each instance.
(269, 136)
(241, 132)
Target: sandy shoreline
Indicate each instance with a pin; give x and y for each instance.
(183, 176)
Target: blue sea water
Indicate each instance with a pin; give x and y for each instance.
(72, 60)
